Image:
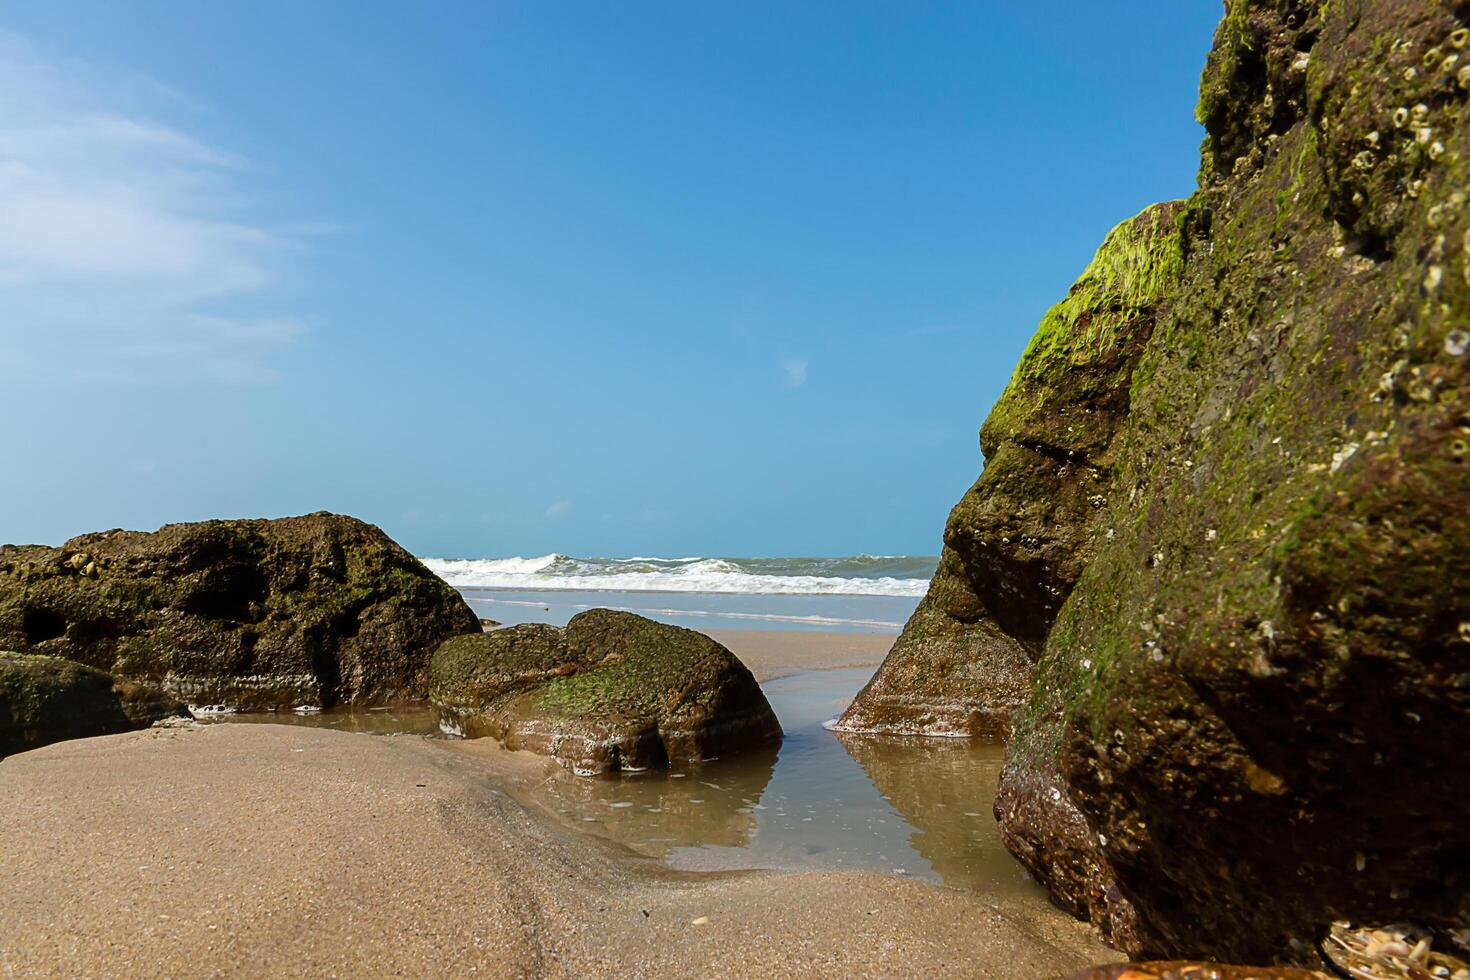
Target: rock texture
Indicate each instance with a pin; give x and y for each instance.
(1252, 635)
(612, 691)
(1177, 970)
(1016, 543)
(47, 699)
(257, 613)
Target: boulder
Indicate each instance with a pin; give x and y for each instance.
(612, 691)
(1016, 543)
(47, 699)
(312, 610)
(1249, 642)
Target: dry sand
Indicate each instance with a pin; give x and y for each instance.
(266, 849)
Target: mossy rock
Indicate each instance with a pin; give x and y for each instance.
(1016, 543)
(1252, 647)
(47, 699)
(314, 610)
(612, 691)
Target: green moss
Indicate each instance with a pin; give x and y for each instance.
(595, 693)
(321, 595)
(1237, 22)
(1089, 329)
(1131, 270)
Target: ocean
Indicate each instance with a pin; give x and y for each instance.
(866, 593)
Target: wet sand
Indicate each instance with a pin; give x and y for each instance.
(777, 653)
(256, 849)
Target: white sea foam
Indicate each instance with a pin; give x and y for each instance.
(512, 566)
(858, 575)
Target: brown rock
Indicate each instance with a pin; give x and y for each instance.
(1235, 560)
(1016, 543)
(257, 613)
(47, 699)
(612, 691)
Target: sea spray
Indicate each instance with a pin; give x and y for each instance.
(854, 575)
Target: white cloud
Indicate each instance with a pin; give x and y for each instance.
(558, 510)
(795, 368)
(122, 240)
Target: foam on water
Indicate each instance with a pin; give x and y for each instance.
(854, 575)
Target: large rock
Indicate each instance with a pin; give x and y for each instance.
(612, 691)
(1016, 543)
(256, 613)
(1246, 716)
(48, 699)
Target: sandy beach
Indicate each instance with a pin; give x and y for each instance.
(250, 849)
(776, 653)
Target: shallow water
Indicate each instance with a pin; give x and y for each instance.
(702, 610)
(409, 719)
(818, 801)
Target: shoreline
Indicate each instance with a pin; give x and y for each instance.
(261, 847)
(780, 653)
(672, 591)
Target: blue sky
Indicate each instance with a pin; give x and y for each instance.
(642, 278)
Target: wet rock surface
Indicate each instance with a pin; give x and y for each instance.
(611, 691)
(1181, 970)
(315, 610)
(48, 699)
(1251, 633)
(1040, 826)
(1392, 952)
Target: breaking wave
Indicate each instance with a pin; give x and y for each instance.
(892, 575)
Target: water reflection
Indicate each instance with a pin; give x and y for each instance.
(817, 801)
(917, 807)
(712, 805)
(408, 719)
(945, 789)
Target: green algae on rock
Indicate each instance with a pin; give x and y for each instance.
(1252, 645)
(612, 691)
(312, 610)
(1262, 669)
(47, 699)
(1017, 541)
